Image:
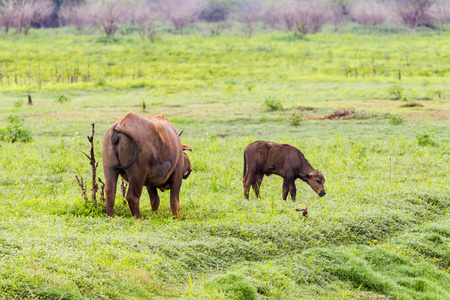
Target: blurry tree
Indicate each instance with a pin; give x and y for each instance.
(145, 14)
(249, 15)
(440, 12)
(303, 18)
(108, 15)
(7, 13)
(370, 14)
(216, 14)
(72, 13)
(312, 17)
(415, 13)
(28, 12)
(340, 10)
(181, 12)
(271, 15)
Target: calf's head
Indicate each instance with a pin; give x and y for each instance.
(315, 179)
(187, 169)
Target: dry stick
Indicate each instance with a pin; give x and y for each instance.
(123, 188)
(102, 190)
(94, 165)
(83, 190)
(30, 102)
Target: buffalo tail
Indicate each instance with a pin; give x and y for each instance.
(120, 129)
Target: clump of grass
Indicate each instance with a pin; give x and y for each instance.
(18, 103)
(425, 139)
(272, 104)
(295, 119)
(16, 131)
(235, 285)
(395, 119)
(63, 99)
(396, 91)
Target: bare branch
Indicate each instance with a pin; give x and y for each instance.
(81, 185)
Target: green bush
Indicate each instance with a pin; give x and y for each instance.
(63, 98)
(272, 104)
(395, 119)
(425, 139)
(235, 285)
(295, 119)
(395, 91)
(16, 131)
(18, 103)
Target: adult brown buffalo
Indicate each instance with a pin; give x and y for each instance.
(145, 151)
(267, 158)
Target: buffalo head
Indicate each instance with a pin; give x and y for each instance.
(187, 163)
(315, 179)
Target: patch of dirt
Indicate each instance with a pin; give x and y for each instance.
(340, 114)
(303, 108)
(412, 104)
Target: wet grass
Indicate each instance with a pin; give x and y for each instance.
(380, 232)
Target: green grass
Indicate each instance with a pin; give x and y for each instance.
(382, 230)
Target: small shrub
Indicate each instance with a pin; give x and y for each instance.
(425, 139)
(395, 119)
(18, 103)
(63, 99)
(101, 82)
(396, 91)
(295, 119)
(272, 104)
(16, 131)
(235, 285)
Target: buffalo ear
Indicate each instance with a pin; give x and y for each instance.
(309, 175)
(186, 147)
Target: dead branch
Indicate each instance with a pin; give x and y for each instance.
(94, 164)
(81, 185)
(123, 188)
(304, 210)
(102, 190)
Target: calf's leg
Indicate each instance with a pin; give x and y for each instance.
(257, 183)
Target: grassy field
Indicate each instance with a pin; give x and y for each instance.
(381, 232)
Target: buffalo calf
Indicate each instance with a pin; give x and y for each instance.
(267, 158)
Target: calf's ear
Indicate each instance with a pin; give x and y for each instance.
(186, 147)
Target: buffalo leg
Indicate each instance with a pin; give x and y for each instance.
(175, 198)
(154, 198)
(257, 183)
(111, 177)
(285, 188)
(246, 186)
(292, 189)
(133, 195)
